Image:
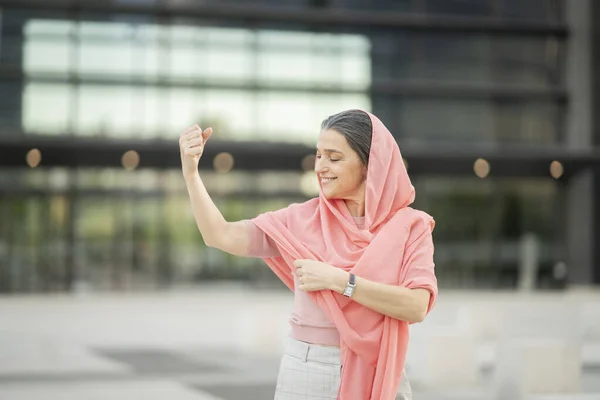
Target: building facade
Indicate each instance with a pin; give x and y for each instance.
(492, 103)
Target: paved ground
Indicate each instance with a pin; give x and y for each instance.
(210, 343)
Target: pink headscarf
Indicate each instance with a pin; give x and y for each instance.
(373, 346)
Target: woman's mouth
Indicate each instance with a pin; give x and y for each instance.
(327, 180)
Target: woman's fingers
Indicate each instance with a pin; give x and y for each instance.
(193, 151)
(194, 142)
(197, 133)
(192, 128)
(195, 130)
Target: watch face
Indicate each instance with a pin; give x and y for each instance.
(347, 291)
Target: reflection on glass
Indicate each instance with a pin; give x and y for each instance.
(183, 63)
(226, 65)
(356, 71)
(105, 48)
(487, 121)
(180, 112)
(105, 111)
(46, 108)
(231, 113)
(470, 59)
(147, 122)
(140, 230)
(293, 117)
(544, 10)
(285, 67)
(480, 224)
(276, 85)
(286, 116)
(183, 59)
(453, 120)
(49, 27)
(47, 56)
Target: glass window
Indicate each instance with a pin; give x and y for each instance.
(468, 59)
(531, 62)
(45, 27)
(47, 55)
(115, 52)
(287, 116)
(533, 10)
(231, 113)
(281, 39)
(487, 121)
(184, 62)
(46, 108)
(106, 48)
(182, 110)
(283, 66)
(147, 51)
(481, 223)
(454, 120)
(104, 111)
(528, 122)
(354, 71)
(189, 56)
(313, 58)
(228, 37)
(297, 117)
(149, 121)
(12, 50)
(453, 58)
(10, 107)
(227, 65)
(47, 46)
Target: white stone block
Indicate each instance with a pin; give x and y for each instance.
(544, 320)
(538, 366)
(484, 321)
(590, 317)
(444, 360)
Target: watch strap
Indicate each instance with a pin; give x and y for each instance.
(350, 286)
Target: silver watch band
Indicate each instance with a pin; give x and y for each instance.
(350, 286)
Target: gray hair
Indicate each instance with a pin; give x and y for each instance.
(356, 127)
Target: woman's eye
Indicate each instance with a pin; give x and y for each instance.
(336, 160)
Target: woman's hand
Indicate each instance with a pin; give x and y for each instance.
(315, 275)
(191, 147)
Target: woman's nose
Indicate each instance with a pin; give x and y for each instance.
(319, 166)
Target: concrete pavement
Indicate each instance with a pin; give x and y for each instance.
(222, 342)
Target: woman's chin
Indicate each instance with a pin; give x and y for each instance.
(328, 194)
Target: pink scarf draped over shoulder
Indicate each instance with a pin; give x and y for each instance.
(373, 346)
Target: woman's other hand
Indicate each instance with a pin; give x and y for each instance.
(315, 275)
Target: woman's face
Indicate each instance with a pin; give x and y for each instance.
(340, 172)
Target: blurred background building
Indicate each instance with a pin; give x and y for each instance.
(494, 105)
(492, 102)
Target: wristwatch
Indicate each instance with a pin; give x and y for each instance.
(350, 286)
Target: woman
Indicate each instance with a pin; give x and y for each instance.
(358, 259)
